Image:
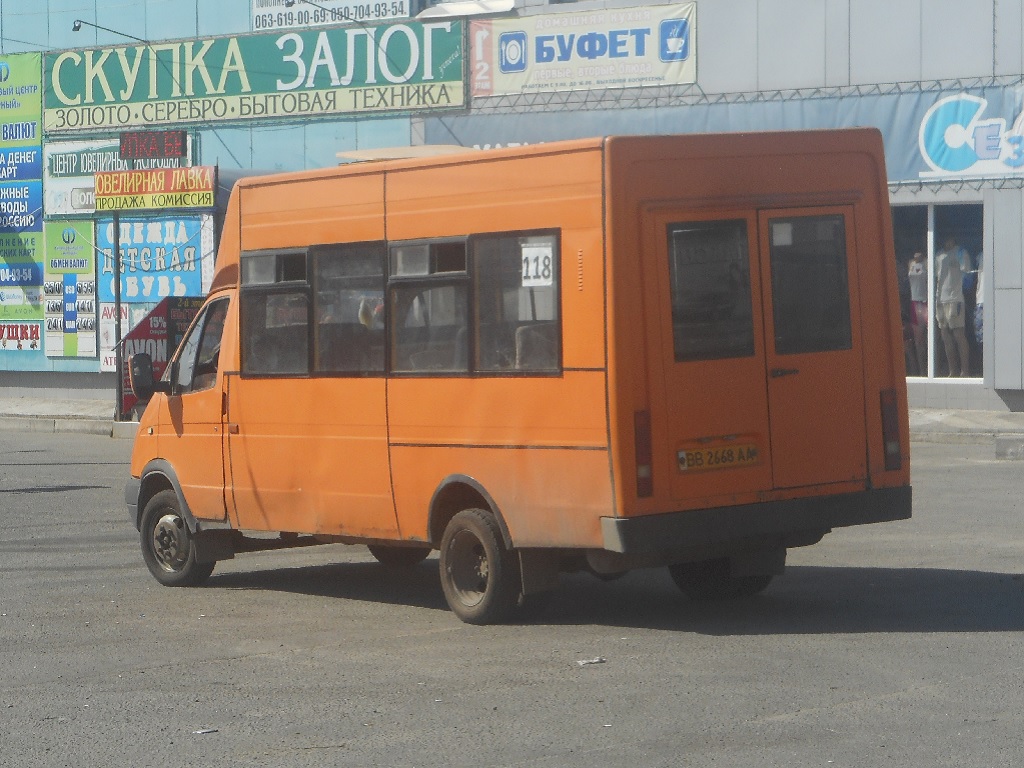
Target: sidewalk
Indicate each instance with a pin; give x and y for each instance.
(1003, 429)
(93, 417)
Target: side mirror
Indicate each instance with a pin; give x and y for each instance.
(140, 377)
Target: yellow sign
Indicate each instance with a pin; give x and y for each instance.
(724, 456)
(156, 189)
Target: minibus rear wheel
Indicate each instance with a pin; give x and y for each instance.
(168, 546)
(479, 576)
(712, 580)
(398, 557)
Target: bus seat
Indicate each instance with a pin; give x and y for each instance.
(343, 347)
(536, 347)
(460, 360)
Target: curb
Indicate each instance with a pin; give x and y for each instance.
(1010, 447)
(960, 438)
(124, 430)
(47, 425)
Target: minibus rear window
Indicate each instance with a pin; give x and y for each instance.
(810, 289)
(709, 270)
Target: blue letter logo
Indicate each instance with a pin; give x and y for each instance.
(955, 139)
(947, 133)
(674, 40)
(512, 52)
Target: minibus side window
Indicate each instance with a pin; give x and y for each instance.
(275, 309)
(709, 271)
(429, 307)
(810, 289)
(200, 351)
(516, 296)
(348, 295)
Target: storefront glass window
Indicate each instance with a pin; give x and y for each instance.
(938, 258)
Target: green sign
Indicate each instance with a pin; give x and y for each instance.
(21, 96)
(315, 73)
(21, 196)
(70, 289)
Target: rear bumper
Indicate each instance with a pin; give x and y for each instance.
(722, 526)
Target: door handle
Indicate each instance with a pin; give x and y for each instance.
(232, 429)
(778, 373)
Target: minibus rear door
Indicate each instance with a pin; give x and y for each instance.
(710, 321)
(761, 349)
(815, 361)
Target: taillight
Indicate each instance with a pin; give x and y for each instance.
(891, 430)
(644, 454)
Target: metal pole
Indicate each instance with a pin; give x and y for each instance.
(118, 352)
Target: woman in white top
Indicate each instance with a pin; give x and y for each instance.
(918, 278)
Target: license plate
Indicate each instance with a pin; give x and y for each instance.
(718, 457)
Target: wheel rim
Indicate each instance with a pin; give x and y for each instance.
(171, 542)
(468, 568)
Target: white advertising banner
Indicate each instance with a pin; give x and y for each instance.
(588, 50)
(278, 14)
(70, 168)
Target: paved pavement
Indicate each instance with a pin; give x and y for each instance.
(1002, 429)
(88, 416)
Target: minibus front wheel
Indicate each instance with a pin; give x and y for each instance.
(168, 546)
(479, 576)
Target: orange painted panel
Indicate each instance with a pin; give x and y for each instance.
(310, 455)
(548, 497)
(308, 211)
(190, 437)
(817, 398)
(543, 411)
(708, 410)
(583, 299)
(560, 189)
(698, 177)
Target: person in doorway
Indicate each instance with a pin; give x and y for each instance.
(950, 265)
(917, 275)
(979, 335)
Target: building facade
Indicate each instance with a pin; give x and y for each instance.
(279, 85)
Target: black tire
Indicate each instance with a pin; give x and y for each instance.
(398, 557)
(168, 546)
(479, 576)
(712, 580)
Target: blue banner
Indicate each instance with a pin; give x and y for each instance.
(927, 134)
(21, 275)
(160, 257)
(21, 200)
(18, 163)
(21, 207)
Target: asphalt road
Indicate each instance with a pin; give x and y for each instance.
(889, 645)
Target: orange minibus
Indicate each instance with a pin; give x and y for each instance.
(599, 355)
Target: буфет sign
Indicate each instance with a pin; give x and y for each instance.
(585, 50)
